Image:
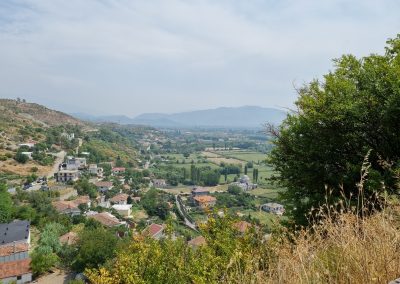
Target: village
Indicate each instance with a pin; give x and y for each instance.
(139, 198)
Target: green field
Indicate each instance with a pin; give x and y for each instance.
(248, 156)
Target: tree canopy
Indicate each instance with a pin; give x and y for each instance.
(353, 111)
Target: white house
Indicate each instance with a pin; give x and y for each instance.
(274, 208)
(123, 209)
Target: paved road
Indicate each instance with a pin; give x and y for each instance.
(187, 222)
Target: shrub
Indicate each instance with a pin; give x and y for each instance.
(21, 158)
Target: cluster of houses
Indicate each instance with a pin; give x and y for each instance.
(71, 169)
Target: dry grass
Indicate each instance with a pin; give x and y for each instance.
(347, 250)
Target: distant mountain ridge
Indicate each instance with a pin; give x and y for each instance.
(226, 117)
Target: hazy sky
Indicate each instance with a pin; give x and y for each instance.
(134, 56)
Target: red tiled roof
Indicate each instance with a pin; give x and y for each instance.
(11, 248)
(205, 199)
(82, 200)
(198, 241)
(69, 238)
(106, 219)
(64, 205)
(242, 226)
(104, 184)
(153, 229)
(119, 197)
(15, 268)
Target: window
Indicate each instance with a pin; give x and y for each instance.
(19, 277)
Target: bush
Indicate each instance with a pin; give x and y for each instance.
(21, 158)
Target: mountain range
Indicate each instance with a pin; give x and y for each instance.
(223, 117)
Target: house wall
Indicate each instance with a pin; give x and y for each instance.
(26, 278)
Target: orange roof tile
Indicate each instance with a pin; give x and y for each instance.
(242, 226)
(69, 238)
(119, 197)
(106, 219)
(64, 205)
(205, 199)
(11, 248)
(15, 268)
(198, 241)
(153, 229)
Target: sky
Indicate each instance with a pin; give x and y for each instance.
(129, 57)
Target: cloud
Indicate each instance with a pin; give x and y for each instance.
(127, 56)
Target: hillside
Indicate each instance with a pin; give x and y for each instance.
(22, 122)
(15, 111)
(227, 117)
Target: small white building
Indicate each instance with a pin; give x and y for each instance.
(29, 154)
(123, 209)
(274, 208)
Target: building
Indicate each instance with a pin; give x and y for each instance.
(118, 170)
(123, 209)
(160, 183)
(74, 163)
(274, 208)
(245, 184)
(83, 199)
(105, 218)
(121, 199)
(67, 175)
(66, 207)
(29, 144)
(204, 201)
(200, 191)
(101, 201)
(94, 170)
(104, 186)
(14, 253)
(154, 231)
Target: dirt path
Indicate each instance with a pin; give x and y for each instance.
(57, 277)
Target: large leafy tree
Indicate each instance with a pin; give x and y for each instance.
(353, 111)
(5, 204)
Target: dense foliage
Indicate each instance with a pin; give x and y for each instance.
(355, 110)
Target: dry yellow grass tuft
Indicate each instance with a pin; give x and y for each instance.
(346, 250)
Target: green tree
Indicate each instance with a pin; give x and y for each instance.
(355, 110)
(94, 248)
(5, 204)
(21, 158)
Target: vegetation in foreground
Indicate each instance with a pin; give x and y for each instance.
(343, 249)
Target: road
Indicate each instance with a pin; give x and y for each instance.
(59, 159)
(187, 222)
